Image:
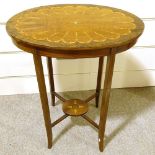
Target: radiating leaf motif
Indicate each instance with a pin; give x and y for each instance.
(73, 24)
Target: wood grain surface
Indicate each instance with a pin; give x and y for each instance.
(58, 28)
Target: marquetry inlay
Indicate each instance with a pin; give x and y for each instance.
(73, 26)
(75, 107)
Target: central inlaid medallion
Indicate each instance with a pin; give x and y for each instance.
(75, 107)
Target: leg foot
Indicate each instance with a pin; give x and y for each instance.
(101, 144)
(49, 144)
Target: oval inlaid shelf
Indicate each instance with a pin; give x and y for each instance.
(75, 107)
(75, 26)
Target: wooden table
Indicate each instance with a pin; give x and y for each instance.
(74, 31)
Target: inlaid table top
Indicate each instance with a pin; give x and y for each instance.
(75, 27)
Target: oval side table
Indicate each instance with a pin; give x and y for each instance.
(74, 31)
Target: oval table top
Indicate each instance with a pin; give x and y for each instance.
(74, 30)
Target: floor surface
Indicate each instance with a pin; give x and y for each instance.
(130, 128)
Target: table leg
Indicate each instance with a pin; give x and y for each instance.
(105, 99)
(99, 77)
(51, 79)
(43, 96)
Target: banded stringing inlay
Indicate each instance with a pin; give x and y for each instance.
(73, 24)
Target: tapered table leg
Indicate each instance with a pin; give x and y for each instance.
(105, 99)
(43, 96)
(99, 76)
(51, 79)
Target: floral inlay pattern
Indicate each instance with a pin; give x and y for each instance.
(73, 24)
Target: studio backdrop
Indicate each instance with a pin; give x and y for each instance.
(134, 68)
